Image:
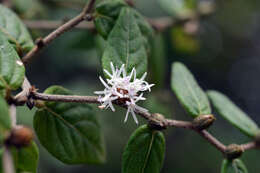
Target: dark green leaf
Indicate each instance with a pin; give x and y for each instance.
(228, 110)
(11, 68)
(144, 152)
(5, 122)
(106, 15)
(188, 92)
(70, 131)
(26, 158)
(125, 44)
(179, 8)
(233, 166)
(15, 30)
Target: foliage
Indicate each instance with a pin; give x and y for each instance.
(69, 128)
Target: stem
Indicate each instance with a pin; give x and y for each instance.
(249, 146)
(49, 25)
(165, 122)
(12, 110)
(211, 139)
(59, 31)
(7, 162)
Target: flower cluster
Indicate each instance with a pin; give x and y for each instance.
(123, 89)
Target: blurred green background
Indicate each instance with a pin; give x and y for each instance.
(221, 50)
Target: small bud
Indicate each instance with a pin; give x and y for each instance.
(20, 136)
(203, 121)
(30, 103)
(40, 42)
(157, 122)
(233, 151)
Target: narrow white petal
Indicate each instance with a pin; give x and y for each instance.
(112, 67)
(108, 73)
(131, 74)
(143, 77)
(121, 70)
(126, 117)
(134, 116)
(103, 82)
(134, 74)
(111, 106)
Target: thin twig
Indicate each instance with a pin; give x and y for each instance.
(12, 110)
(7, 161)
(59, 31)
(249, 146)
(50, 25)
(205, 134)
(151, 117)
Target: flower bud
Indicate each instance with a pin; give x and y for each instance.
(233, 151)
(157, 122)
(20, 136)
(203, 121)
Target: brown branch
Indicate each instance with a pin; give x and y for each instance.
(164, 123)
(50, 25)
(250, 145)
(59, 31)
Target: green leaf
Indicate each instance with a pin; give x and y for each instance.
(125, 44)
(70, 131)
(5, 122)
(188, 92)
(233, 166)
(11, 68)
(179, 8)
(144, 152)
(25, 159)
(106, 15)
(15, 30)
(233, 114)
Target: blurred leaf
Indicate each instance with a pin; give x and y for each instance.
(144, 152)
(11, 68)
(15, 30)
(125, 44)
(179, 8)
(5, 122)
(30, 8)
(233, 114)
(26, 158)
(158, 61)
(184, 42)
(233, 166)
(106, 15)
(70, 131)
(188, 92)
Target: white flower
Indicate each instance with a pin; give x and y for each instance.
(123, 89)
